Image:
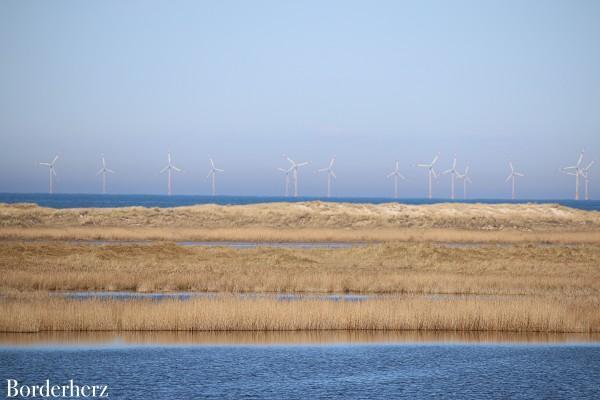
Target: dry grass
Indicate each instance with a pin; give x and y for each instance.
(546, 288)
(88, 233)
(310, 221)
(384, 268)
(315, 214)
(32, 314)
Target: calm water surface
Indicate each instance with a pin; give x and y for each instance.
(344, 371)
(296, 365)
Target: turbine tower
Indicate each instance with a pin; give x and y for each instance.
(396, 174)
(513, 174)
(103, 172)
(576, 171)
(454, 173)
(465, 178)
(586, 177)
(169, 168)
(330, 174)
(287, 179)
(430, 171)
(294, 170)
(213, 174)
(52, 172)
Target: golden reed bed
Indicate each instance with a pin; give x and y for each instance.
(228, 313)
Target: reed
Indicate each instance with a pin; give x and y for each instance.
(384, 268)
(227, 313)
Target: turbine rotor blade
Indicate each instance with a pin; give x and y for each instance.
(580, 159)
(165, 169)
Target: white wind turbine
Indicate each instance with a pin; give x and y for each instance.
(396, 174)
(576, 171)
(287, 179)
(465, 178)
(513, 174)
(170, 167)
(103, 171)
(52, 172)
(213, 174)
(430, 171)
(454, 173)
(330, 174)
(586, 176)
(294, 170)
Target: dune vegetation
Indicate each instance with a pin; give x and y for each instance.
(308, 221)
(457, 267)
(379, 268)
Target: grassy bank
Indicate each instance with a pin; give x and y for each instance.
(384, 268)
(311, 215)
(529, 314)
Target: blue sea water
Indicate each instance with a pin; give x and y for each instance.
(342, 371)
(121, 200)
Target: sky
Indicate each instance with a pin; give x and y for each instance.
(245, 82)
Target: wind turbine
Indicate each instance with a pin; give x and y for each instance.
(454, 173)
(465, 178)
(586, 176)
(294, 170)
(396, 174)
(52, 172)
(512, 176)
(330, 174)
(170, 167)
(103, 171)
(430, 171)
(287, 179)
(576, 171)
(213, 174)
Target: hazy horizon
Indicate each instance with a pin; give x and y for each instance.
(246, 82)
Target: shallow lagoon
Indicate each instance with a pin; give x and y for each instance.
(344, 365)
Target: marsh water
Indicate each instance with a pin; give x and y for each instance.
(340, 365)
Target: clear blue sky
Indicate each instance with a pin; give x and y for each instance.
(247, 81)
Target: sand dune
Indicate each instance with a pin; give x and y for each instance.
(315, 214)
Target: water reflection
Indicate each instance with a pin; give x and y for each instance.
(283, 337)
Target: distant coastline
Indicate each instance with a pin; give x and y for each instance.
(89, 200)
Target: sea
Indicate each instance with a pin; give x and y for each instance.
(73, 200)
